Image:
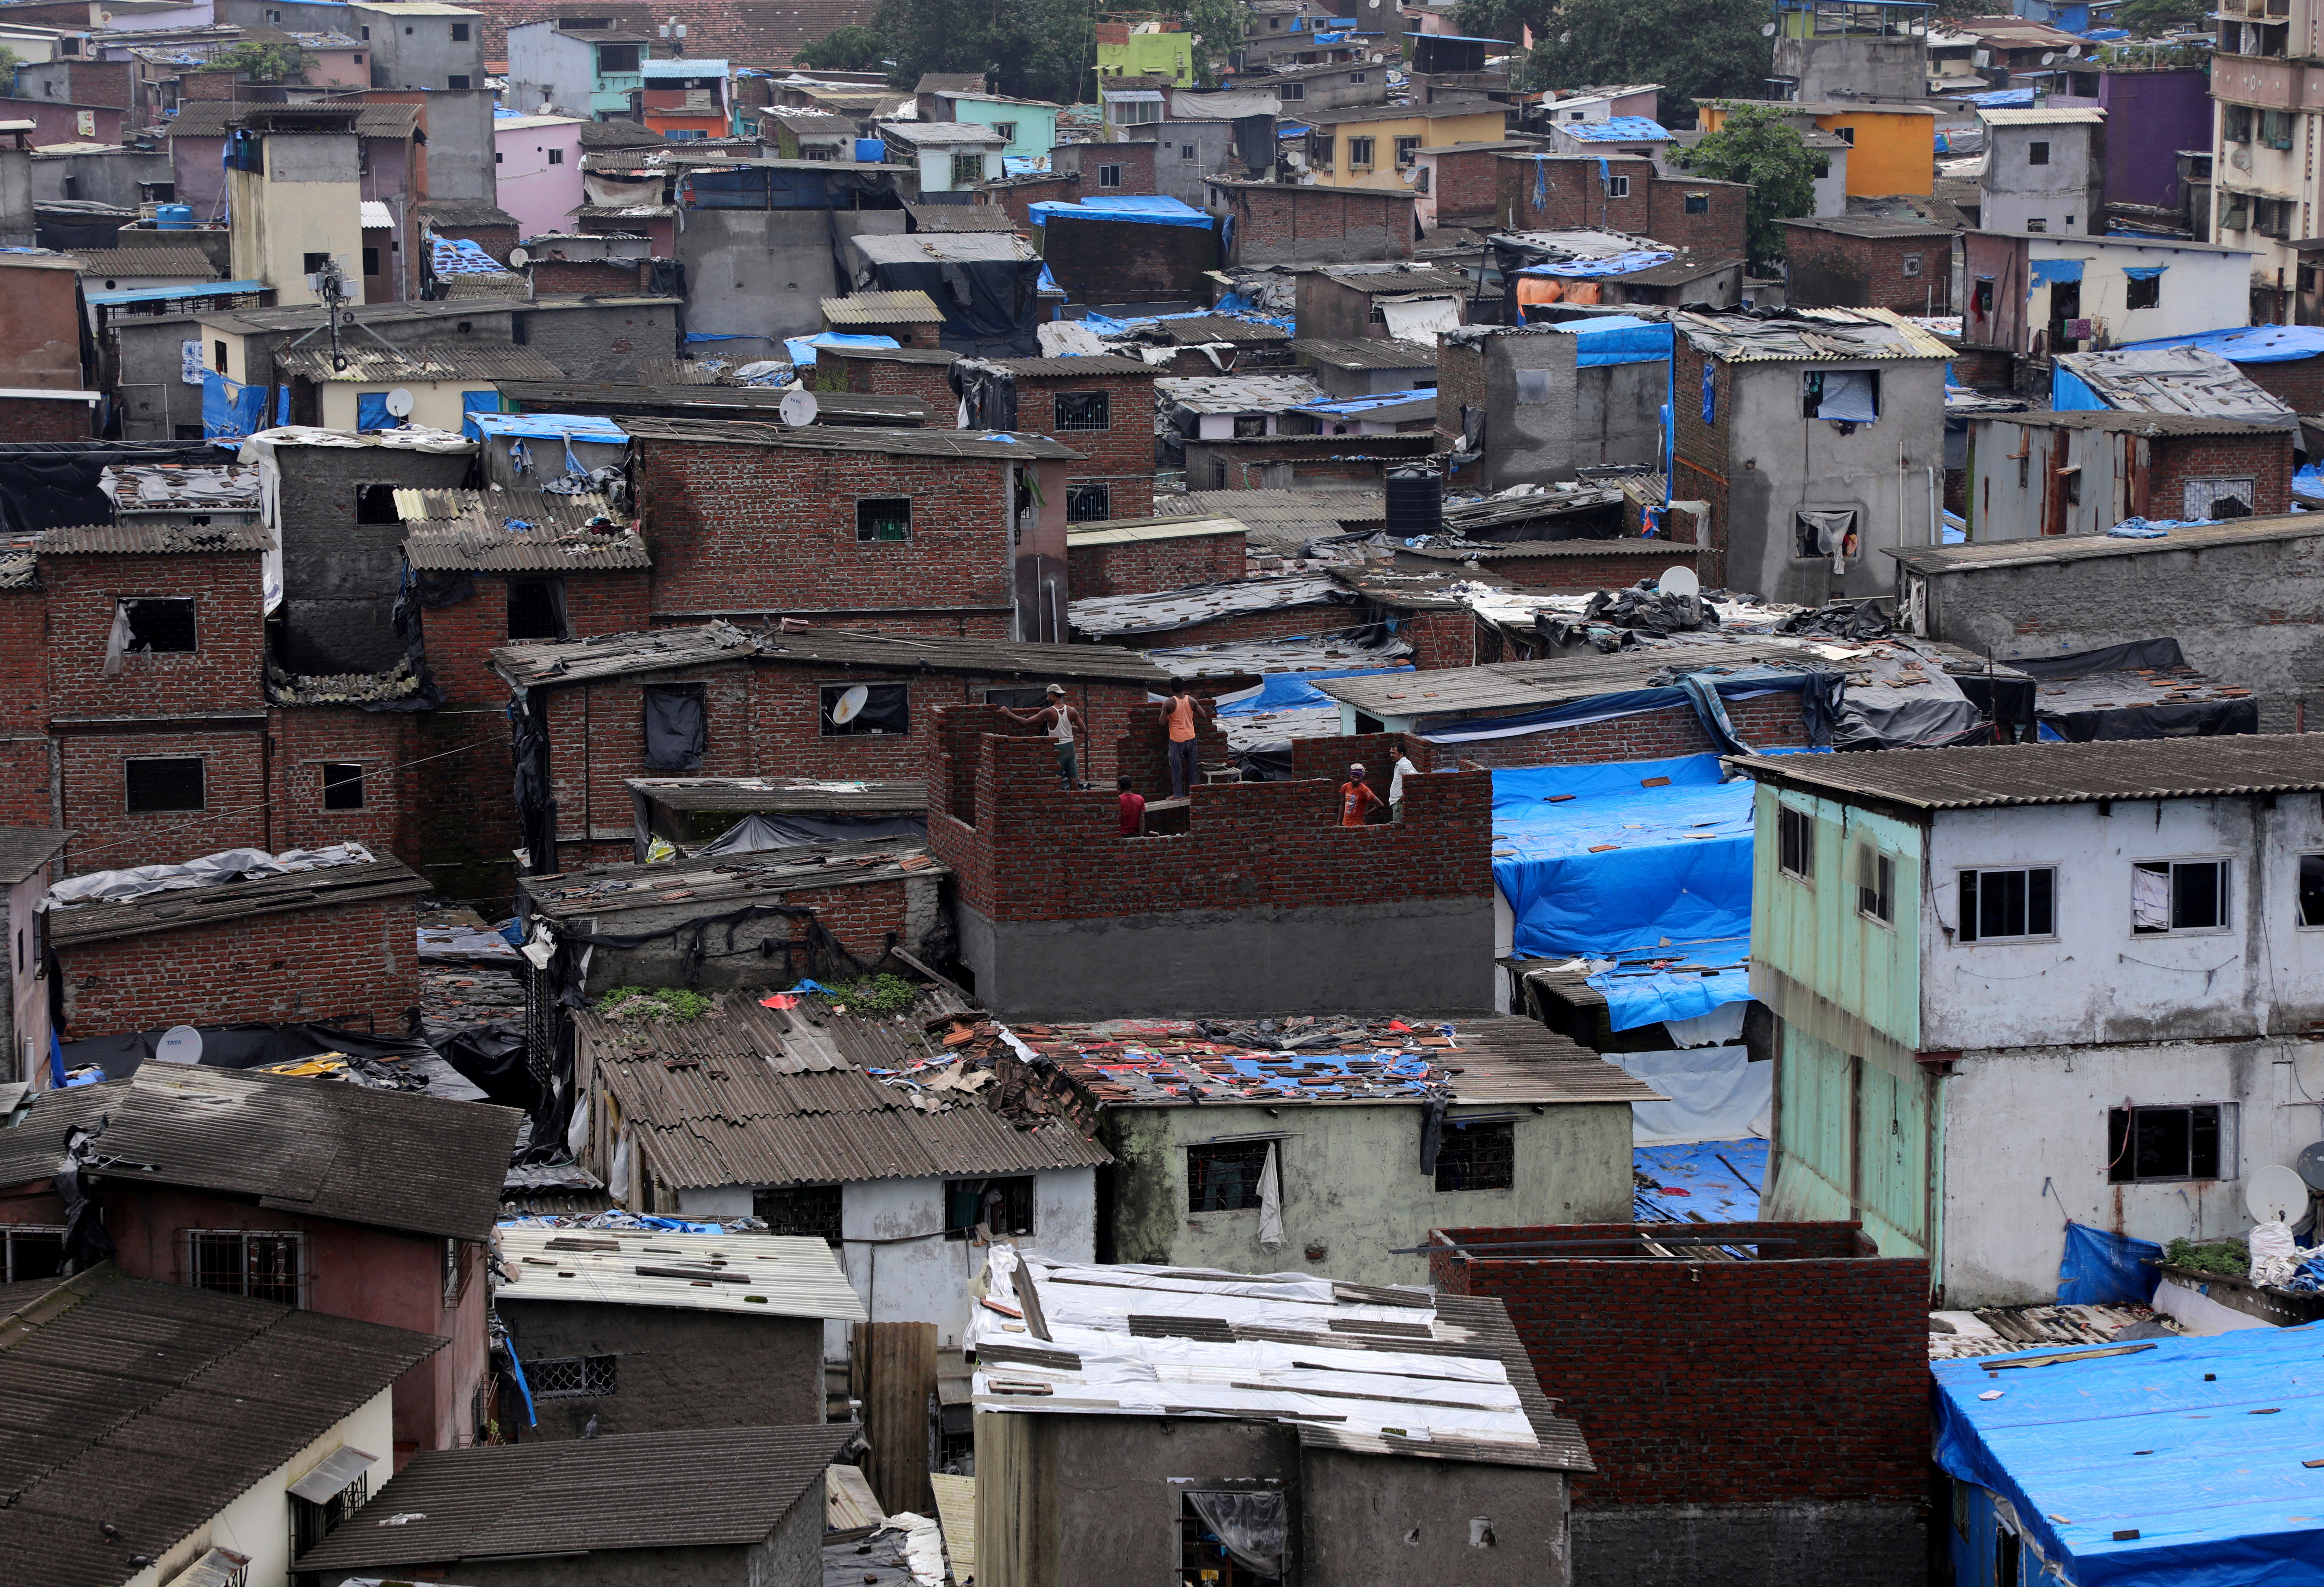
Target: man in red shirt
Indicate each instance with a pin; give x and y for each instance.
(1133, 809)
(1356, 797)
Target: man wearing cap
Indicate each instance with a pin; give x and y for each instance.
(1061, 721)
(1356, 797)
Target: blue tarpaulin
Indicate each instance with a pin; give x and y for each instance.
(546, 426)
(802, 348)
(2069, 394)
(2252, 344)
(870, 151)
(2153, 1468)
(1636, 998)
(371, 413)
(2101, 1268)
(1719, 1179)
(2145, 272)
(1149, 210)
(229, 408)
(1999, 98)
(2043, 273)
(460, 256)
(475, 405)
(1290, 691)
(1612, 264)
(1743, 683)
(1617, 338)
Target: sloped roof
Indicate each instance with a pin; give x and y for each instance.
(1810, 336)
(752, 1275)
(2176, 380)
(659, 650)
(418, 361)
(211, 118)
(186, 263)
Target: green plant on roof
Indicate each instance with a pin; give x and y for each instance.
(875, 994)
(661, 1003)
(2228, 1257)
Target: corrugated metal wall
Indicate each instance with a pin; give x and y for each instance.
(1854, 1140)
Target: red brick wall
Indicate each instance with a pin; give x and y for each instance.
(1121, 454)
(1367, 459)
(307, 737)
(1282, 223)
(1702, 452)
(1580, 575)
(23, 660)
(1803, 1375)
(889, 378)
(42, 418)
(1573, 196)
(223, 674)
(604, 277)
(1460, 383)
(2300, 381)
(1826, 270)
(1440, 637)
(1039, 853)
(1466, 185)
(2266, 459)
(916, 335)
(1717, 230)
(207, 85)
(1136, 160)
(772, 529)
(1142, 566)
(460, 638)
(1769, 722)
(1283, 622)
(342, 963)
(1019, 197)
(96, 798)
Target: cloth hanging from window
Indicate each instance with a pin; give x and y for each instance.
(1847, 395)
(1271, 1202)
(674, 730)
(2150, 900)
(1421, 319)
(1250, 1526)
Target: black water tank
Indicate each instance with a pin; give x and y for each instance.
(1415, 502)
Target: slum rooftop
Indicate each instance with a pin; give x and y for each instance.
(906, 307)
(663, 649)
(150, 1407)
(629, 886)
(391, 1159)
(2176, 380)
(375, 878)
(960, 218)
(1365, 352)
(1997, 776)
(2051, 549)
(1808, 335)
(804, 795)
(988, 446)
(134, 538)
(1237, 393)
(2126, 420)
(1132, 1340)
(1164, 611)
(752, 1275)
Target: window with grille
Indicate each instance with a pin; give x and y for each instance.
(1319, 150)
(1876, 885)
(2168, 1143)
(1087, 504)
(162, 782)
(1004, 1205)
(2037, 153)
(1225, 1177)
(1796, 842)
(1083, 411)
(1477, 1157)
(883, 518)
(574, 1377)
(2009, 906)
(256, 1264)
(1006, 131)
(810, 1211)
(2178, 895)
(1698, 203)
(159, 623)
(967, 170)
(29, 1252)
(342, 786)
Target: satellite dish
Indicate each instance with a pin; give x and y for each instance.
(851, 706)
(1767, 29)
(2049, 56)
(520, 257)
(797, 409)
(1680, 581)
(2310, 1166)
(180, 1044)
(2073, 52)
(398, 403)
(2276, 1194)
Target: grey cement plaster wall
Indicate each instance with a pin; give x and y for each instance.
(1607, 414)
(100, 179)
(1864, 1544)
(2067, 194)
(1849, 68)
(1425, 953)
(662, 961)
(602, 341)
(733, 1565)
(419, 52)
(2221, 604)
(1370, 1520)
(338, 576)
(1177, 177)
(678, 1368)
(15, 198)
(150, 360)
(765, 272)
(460, 142)
(1780, 462)
(458, 323)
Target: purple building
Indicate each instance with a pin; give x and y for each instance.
(2151, 115)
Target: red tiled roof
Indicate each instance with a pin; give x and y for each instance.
(763, 33)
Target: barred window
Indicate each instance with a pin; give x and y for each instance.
(1003, 1206)
(162, 782)
(28, 1251)
(574, 1377)
(1225, 1177)
(256, 1264)
(810, 1210)
(1083, 411)
(1087, 504)
(1477, 1157)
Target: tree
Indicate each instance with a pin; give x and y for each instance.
(846, 49)
(264, 62)
(1218, 28)
(1032, 48)
(2151, 19)
(1696, 49)
(1757, 147)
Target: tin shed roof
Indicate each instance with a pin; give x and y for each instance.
(1994, 776)
(751, 1275)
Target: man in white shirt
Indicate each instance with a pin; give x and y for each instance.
(1404, 769)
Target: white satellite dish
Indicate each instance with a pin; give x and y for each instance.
(520, 257)
(2049, 57)
(1767, 29)
(2276, 1194)
(2073, 52)
(798, 409)
(851, 706)
(1680, 581)
(398, 403)
(180, 1044)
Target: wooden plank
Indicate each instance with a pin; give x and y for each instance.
(900, 1381)
(956, 1510)
(848, 1502)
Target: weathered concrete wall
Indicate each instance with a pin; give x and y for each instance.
(726, 1565)
(1875, 1543)
(2066, 195)
(765, 272)
(1353, 1188)
(423, 51)
(102, 179)
(604, 341)
(339, 575)
(1176, 175)
(460, 141)
(678, 1368)
(2250, 615)
(1362, 1512)
(1366, 958)
(1855, 68)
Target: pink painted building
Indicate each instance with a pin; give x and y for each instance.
(538, 161)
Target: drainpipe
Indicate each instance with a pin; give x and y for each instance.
(1936, 518)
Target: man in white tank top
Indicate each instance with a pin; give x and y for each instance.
(1061, 721)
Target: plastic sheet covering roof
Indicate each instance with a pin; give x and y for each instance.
(196, 487)
(2003, 775)
(2170, 380)
(107, 906)
(2219, 1490)
(762, 1275)
(1614, 129)
(410, 438)
(1151, 210)
(393, 1159)
(207, 289)
(369, 364)
(1125, 531)
(1419, 403)
(159, 1439)
(912, 308)
(461, 256)
(1239, 394)
(620, 1492)
(1344, 653)
(1810, 334)
(1164, 611)
(550, 427)
(986, 445)
(1610, 264)
(2252, 344)
(1134, 1340)
(658, 649)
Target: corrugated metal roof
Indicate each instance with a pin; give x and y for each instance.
(1264, 512)
(211, 118)
(392, 1159)
(2126, 420)
(25, 849)
(2051, 549)
(708, 888)
(891, 355)
(384, 877)
(1194, 330)
(1364, 353)
(1088, 365)
(1238, 393)
(987, 445)
(771, 793)
(1165, 611)
(661, 649)
(956, 219)
(1994, 776)
(1393, 282)
(152, 1407)
(370, 364)
(475, 548)
(912, 308)
(932, 134)
(140, 264)
(2059, 115)
(920, 247)
(621, 1491)
(1125, 531)
(152, 540)
(437, 506)
(2177, 380)
(1810, 336)
(752, 1275)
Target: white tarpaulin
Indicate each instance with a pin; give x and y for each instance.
(1421, 319)
(1715, 1095)
(1185, 106)
(119, 887)
(1063, 338)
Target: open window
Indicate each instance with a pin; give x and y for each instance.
(1850, 396)
(675, 729)
(1005, 1206)
(1698, 204)
(2144, 289)
(809, 1212)
(1795, 842)
(253, 1263)
(1231, 1536)
(159, 783)
(1825, 531)
(1876, 885)
(865, 710)
(2014, 905)
(2178, 895)
(30, 1251)
(1224, 1176)
(158, 623)
(883, 519)
(2311, 890)
(536, 609)
(343, 785)
(2170, 1143)
(1481, 1155)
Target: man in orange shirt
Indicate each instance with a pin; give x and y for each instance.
(1356, 797)
(1179, 716)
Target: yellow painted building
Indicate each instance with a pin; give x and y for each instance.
(295, 197)
(1146, 54)
(1892, 148)
(1374, 146)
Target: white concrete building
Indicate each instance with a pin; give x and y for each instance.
(2019, 986)
(2043, 170)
